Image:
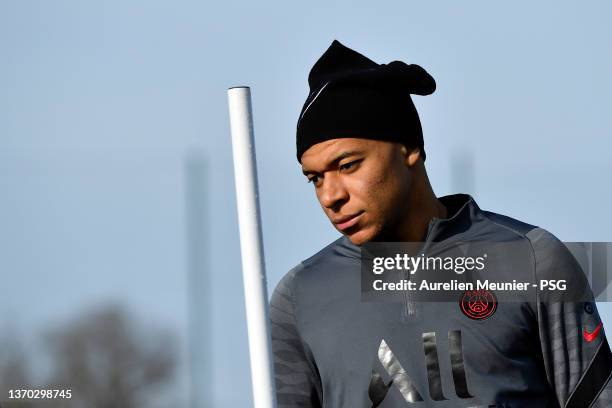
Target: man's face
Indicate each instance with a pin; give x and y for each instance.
(362, 185)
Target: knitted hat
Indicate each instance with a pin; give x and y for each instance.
(352, 96)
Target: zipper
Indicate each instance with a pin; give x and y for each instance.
(409, 309)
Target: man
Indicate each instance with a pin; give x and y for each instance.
(359, 141)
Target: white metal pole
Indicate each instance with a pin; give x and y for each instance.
(253, 268)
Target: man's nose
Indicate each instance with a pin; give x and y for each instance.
(333, 192)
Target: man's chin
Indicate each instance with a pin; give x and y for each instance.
(359, 236)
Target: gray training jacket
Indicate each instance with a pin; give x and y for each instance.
(333, 350)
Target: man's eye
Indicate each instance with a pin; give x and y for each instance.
(313, 179)
(349, 165)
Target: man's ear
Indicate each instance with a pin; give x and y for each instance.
(411, 155)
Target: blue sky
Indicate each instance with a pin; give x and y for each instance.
(102, 102)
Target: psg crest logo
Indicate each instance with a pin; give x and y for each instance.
(478, 304)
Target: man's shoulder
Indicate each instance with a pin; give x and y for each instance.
(551, 260)
(551, 256)
(338, 251)
(543, 242)
(507, 222)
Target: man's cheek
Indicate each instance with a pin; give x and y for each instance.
(367, 188)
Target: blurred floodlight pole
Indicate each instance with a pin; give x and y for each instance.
(463, 178)
(200, 361)
(253, 268)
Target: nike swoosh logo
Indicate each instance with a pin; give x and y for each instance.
(313, 99)
(589, 337)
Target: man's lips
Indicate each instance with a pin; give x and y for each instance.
(348, 221)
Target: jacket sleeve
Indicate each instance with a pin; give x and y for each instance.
(297, 380)
(575, 351)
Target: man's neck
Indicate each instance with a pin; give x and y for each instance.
(417, 222)
(424, 206)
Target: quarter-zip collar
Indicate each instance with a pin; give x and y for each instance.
(464, 211)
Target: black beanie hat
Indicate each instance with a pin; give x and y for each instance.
(352, 96)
